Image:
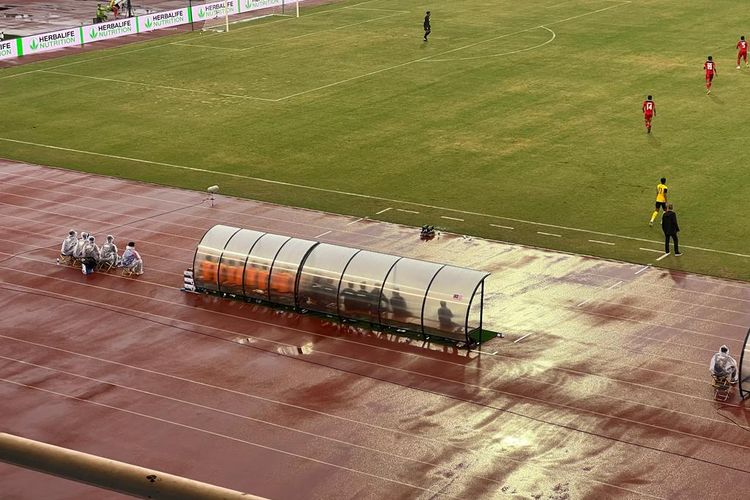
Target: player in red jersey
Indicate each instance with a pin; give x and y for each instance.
(710, 67)
(649, 111)
(742, 54)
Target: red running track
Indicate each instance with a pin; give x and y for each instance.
(600, 388)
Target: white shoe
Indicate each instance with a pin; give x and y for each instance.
(738, 67)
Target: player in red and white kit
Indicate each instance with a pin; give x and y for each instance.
(649, 111)
(742, 54)
(710, 67)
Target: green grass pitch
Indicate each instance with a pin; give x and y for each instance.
(514, 113)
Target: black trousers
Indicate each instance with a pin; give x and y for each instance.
(427, 31)
(676, 243)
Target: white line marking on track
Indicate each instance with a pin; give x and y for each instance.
(642, 269)
(549, 234)
(650, 250)
(494, 353)
(365, 424)
(585, 301)
(360, 195)
(663, 256)
(220, 410)
(322, 234)
(355, 221)
(383, 211)
(601, 242)
(501, 227)
(518, 340)
(451, 218)
(616, 284)
(215, 434)
(407, 211)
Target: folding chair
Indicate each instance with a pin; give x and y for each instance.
(722, 388)
(105, 266)
(65, 260)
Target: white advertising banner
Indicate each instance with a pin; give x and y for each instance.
(250, 5)
(110, 29)
(50, 41)
(9, 48)
(161, 20)
(214, 10)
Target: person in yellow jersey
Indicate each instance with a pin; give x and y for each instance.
(661, 199)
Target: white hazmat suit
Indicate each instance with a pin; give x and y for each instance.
(723, 365)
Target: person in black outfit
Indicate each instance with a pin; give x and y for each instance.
(427, 27)
(670, 228)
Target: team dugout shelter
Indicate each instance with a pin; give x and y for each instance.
(408, 295)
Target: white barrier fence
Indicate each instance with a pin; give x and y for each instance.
(92, 33)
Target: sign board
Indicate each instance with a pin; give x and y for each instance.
(250, 5)
(110, 29)
(161, 20)
(9, 48)
(50, 41)
(214, 10)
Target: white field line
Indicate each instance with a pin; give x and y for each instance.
(322, 234)
(201, 46)
(601, 242)
(487, 56)
(377, 10)
(663, 256)
(383, 211)
(382, 70)
(313, 33)
(585, 301)
(231, 49)
(361, 196)
(355, 221)
(451, 218)
(407, 211)
(251, 26)
(501, 227)
(117, 52)
(282, 40)
(181, 89)
(413, 61)
(549, 234)
(650, 250)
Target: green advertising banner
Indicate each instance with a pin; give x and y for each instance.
(9, 48)
(108, 30)
(214, 10)
(161, 20)
(50, 41)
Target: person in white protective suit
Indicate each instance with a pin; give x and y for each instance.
(108, 252)
(78, 253)
(723, 365)
(91, 256)
(131, 259)
(68, 247)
